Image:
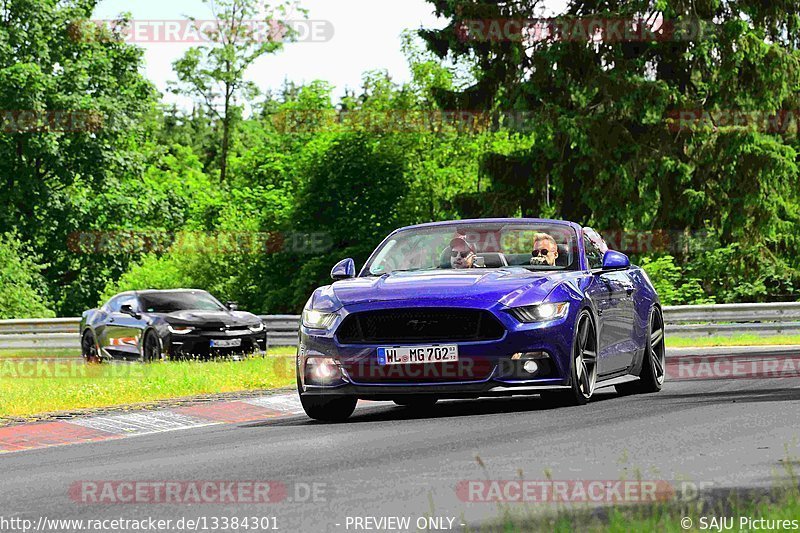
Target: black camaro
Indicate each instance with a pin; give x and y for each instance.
(151, 325)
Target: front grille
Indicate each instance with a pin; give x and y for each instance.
(215, 327)
(419, 325)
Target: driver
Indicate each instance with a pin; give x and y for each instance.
(545, 250)
(462, 253)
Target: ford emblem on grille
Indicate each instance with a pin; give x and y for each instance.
(419, 325)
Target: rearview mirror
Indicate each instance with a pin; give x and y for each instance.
(344, 269)
(128, 310)
(233, 306)
(615, 261)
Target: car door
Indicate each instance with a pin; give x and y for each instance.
(609, 293)
(120, 334)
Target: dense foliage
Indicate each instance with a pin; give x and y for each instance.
(564, 129)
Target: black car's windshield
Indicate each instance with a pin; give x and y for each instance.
(534, 246)
(169, 302)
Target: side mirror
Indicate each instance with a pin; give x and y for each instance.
(128, 310)
(344, 269)
(615, 261)
(233, 306)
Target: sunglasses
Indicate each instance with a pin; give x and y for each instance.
(456, 253)
(540, 252)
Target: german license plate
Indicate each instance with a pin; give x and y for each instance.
(404, 355)
(226, 343)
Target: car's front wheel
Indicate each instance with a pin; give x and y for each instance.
(329, 408)
(584, 364)
(89, 348)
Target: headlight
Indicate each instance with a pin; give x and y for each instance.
(258, 328)
(317, 320)
(180, 330)
(541, 312)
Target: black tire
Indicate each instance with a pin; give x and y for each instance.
(417, 403)
(325, 408)
(329, 408)
(651, 377)
(89, 348)
(583, 367)
(151, 348)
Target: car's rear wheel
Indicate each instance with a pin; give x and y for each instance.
(651, 377)
(584, 364)
(151, 348)
(417, 403)
(89, 348)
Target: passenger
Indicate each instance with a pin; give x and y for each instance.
(462, 253)
(545, 250)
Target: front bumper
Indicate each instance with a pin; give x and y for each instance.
(199, 344)
(485, 368)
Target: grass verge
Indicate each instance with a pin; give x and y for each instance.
(743, 513)
(27, 353)
(733, 340)
(775, 509)
(31, 386)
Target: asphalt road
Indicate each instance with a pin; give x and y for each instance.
(389, 462)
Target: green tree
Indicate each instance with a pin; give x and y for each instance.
(604, 149)
(216, 74)
(54, 64)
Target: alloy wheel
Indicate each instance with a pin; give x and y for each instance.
(586, 357)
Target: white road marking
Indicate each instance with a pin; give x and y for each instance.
(285, 403)
(142, 423)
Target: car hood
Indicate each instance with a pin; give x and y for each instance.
(221, 318)
(478, 287)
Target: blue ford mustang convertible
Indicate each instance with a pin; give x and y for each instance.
(475, 308)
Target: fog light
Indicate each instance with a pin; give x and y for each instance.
(322, 370)
(530, 367)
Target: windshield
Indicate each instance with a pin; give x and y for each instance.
(169, 302)
(489, 245)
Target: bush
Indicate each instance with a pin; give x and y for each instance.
(672, 284)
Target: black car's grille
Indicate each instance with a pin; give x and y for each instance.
(419, 325)
(214, 327)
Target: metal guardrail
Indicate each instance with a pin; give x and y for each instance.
(682, 320)
(733, 319)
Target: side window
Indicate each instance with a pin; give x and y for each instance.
(594, 256)
(116, 303)
(113, 305)
(129, 300)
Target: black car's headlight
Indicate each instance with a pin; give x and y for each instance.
(540, 312)
(317, 319)
(180, 330)
(256, 328)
